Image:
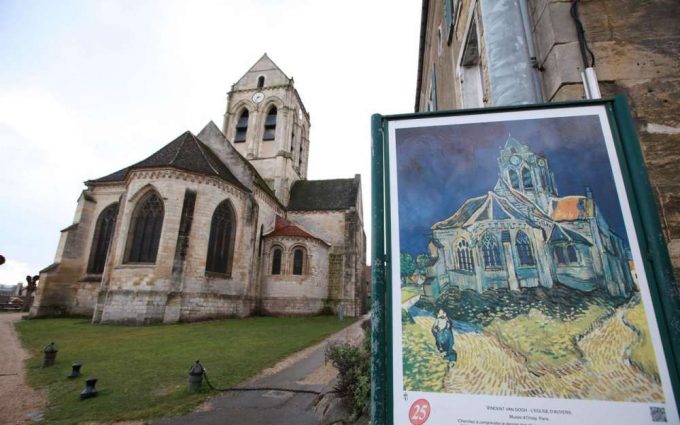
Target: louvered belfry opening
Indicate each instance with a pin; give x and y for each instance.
(242, 127)
(147, 223)
(270, 125)
(221, 242)
(103, 233)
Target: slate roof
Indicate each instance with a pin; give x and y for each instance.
(284, 227)
(483, 208)
(321, 195)
(562, 234)
(185, 153)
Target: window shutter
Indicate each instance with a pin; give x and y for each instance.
(448, 19)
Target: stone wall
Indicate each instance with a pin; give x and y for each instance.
(637, 53)
(290, 294)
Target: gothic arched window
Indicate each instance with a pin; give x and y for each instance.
(270, 125)
(464, 255)
(298, 261)
(491, 251)
(571, 254)
(260, 81)
(103, 233)
(221, 242)
(241, 127)
(523, 245)
(526, 179)
(276, 261)
(514, 179)
(147, 222)
(559, 255)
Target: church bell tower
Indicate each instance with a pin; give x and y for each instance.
(267, 123)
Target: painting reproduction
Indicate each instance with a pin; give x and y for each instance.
(518, 271)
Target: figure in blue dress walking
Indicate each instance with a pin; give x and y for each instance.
(442, 330)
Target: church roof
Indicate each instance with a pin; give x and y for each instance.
(283, 227)
(187, 153)
(562, 234)
(483, 208)
(570, 208)
(321, 195)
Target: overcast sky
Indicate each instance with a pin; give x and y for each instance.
(88, 87)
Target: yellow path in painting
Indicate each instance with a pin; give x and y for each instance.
(485, 366)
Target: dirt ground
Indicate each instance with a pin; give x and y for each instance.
(21, 404)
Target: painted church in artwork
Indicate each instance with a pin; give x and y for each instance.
(222, 223)
(523, 234)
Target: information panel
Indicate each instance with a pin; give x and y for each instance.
(519, 295)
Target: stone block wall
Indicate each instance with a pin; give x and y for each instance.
(637, 53)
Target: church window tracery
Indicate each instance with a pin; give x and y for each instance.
(491, 251)
(276, 261)
(464, 255)
(147, 222)
(571, 254)
(526, 179)
(298, 261)
(241, 127)
(523, 244)
(514, 179)
(270, 124)
(221, 242)
(101, 241)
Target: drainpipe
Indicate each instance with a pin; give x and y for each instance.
(531, 50)
(590, 85)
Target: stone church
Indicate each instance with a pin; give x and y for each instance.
(523, 234)
(223, 223)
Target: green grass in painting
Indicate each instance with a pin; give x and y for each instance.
(424, 369)
(142, 371)
(408, 292)
(545, 341)
(642, 353)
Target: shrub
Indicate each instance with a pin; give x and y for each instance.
(354, 372)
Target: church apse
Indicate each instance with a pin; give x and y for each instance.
(522, 234)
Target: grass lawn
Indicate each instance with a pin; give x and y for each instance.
(408, 292)
(143, 371)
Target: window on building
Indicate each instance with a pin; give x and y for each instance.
(103, 233)
(514, 179)
(241, 127)
(527, 181)
(559, 255)
(464, 255)
(491, 251)
(523, 245)
(432, 97)
(449, 18)
(298, 261)
(260, 81)
(472, 89)
(276, 261)
(147, 222)
(571, 254)
(221, 241)
(270, 125)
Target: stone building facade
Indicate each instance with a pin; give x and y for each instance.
(219, 224)
(477, 53)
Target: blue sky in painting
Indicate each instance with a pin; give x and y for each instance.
(439, 167)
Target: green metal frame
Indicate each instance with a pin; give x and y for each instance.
(663, 288)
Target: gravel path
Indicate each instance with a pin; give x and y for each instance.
(20, 404)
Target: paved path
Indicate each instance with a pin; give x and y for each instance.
(485, 366)
(20, 403)
(305, 370)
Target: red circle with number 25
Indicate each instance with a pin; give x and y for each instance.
(419, 412)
